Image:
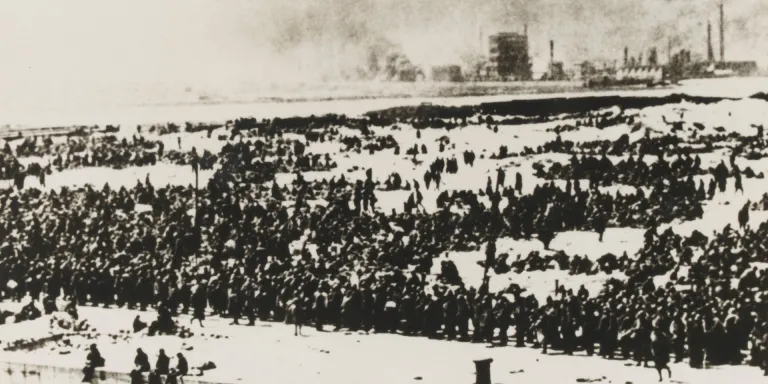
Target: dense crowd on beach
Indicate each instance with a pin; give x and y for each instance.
(321, 252)
(107, 150)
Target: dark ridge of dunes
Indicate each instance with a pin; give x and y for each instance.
(298, 124)
(565, 105)
(540, 107)
(425, 111)
(291, 123)
(524, 108)
(760, 96)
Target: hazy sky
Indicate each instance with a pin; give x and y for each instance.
(67, 46)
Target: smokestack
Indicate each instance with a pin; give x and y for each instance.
(669, 49)
(722, 33)
(710, 50)
(626, 56)
(527, 43)
(551, 51)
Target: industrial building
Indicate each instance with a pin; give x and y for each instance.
(680, 65)
(647, 74)
(713, 68)
(594, 68)
(399, 68)
(633, 72)
(556, 70)
(508, 56)
(447, 73)
(509, 59)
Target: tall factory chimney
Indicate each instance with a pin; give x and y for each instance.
(551, 51)
(669, 50)
(722, 33)
(527, 42)
(626, 56)
(710, 50)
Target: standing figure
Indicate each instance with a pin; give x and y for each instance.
(296, 313)
(661, 348)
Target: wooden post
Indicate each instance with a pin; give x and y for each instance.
(483, 371)
(198, 233)
(557, 285)
(197, 200)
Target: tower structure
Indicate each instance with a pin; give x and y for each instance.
(710, 50)
(722, 33)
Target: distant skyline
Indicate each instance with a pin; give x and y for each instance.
(74, 45)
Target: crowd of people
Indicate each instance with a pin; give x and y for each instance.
(559, 260)
(259, 161)
(375, 144)
(243, 246)
(162, 370)
(10, 167)
(108, 151)
(603, 172)
(172, 128)
(666, 144)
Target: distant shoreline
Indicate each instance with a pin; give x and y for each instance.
(135, 106)
(431, 90)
